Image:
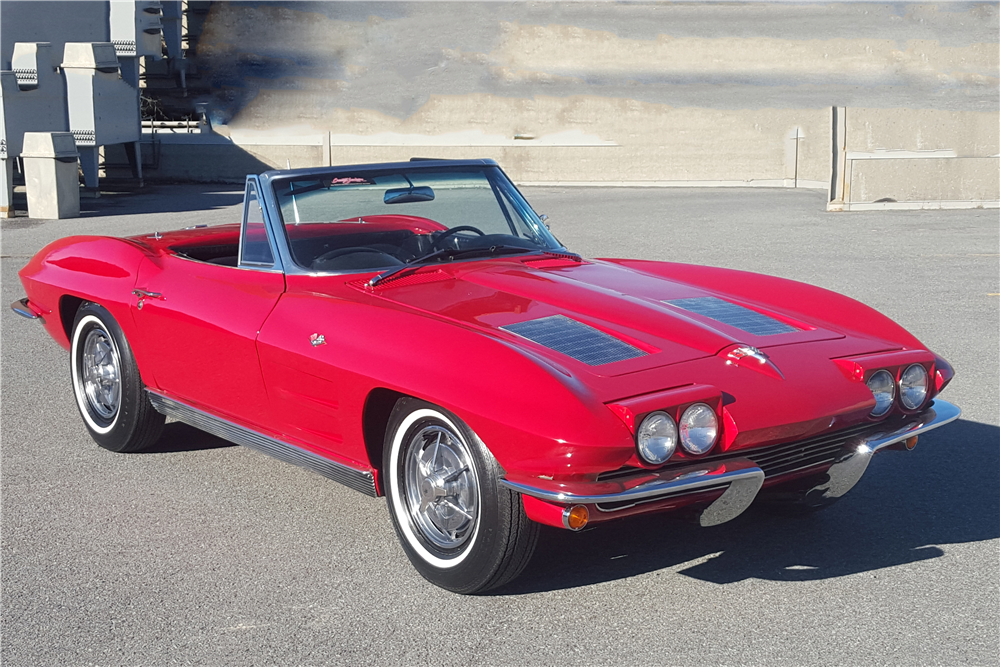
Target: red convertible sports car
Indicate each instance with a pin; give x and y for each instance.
(414, 330)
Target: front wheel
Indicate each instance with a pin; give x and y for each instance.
(458, 526)
(108, 388)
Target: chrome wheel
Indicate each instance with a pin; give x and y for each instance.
(100, 374)
(440, 487)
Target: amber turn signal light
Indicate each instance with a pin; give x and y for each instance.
(911, 442)
(576, 517)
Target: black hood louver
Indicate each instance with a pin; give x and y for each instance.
(575, 339)
(734, 315)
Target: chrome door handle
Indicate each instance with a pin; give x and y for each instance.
(144, 294)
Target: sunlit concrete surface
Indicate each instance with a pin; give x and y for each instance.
(201, 553)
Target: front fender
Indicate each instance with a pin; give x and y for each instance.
(536, 418)
(101, 269)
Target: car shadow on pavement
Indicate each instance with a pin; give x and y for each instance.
(179, 437)
(947, 491)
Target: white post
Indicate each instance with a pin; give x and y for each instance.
(838, 160)
(6, 188)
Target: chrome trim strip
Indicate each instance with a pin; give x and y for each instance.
(604, 509)
(178, 255)
(679, 481)
(359, 480)
(21, 308)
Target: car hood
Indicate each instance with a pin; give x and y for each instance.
(660, 321)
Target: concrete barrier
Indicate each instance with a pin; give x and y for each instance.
(914, 159)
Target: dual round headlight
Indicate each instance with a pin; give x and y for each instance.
(912, 389)
(699, 428)
(657, 437)
(883, 388)
(658, 434)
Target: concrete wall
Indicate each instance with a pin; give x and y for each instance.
(635, 94)
(590, 139)
(919, 158)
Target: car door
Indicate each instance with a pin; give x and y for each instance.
(199, 321)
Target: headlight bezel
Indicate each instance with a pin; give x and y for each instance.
(879, 412)
(673, 402)
(902, 392)
(642, 447)
(687, 441)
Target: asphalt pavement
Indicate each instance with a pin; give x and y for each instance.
(200, 553)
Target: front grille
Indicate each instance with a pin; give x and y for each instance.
(774, 460)
(787, 458)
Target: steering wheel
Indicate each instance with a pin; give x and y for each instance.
(340, 252)
(453, 230)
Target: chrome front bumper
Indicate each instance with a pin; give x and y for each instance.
(741, 477)
(22, 308)
(853, 460)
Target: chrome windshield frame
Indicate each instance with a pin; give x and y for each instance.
(268, 180)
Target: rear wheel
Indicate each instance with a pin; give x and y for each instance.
(458, 526)
(109, 392)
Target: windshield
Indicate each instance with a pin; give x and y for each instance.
(377, 220)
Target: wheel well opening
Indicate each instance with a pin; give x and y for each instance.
(68, 305)
(375, 418)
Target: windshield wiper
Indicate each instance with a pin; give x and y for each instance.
(451, 254)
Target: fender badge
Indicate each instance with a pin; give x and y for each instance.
(739, 354)
(317, 339)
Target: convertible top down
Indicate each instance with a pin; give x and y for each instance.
(414, 330)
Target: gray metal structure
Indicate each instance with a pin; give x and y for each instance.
(32, 99)
(99, 45)
(103, 107)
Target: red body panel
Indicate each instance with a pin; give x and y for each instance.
(91, 268)
(813, 304)
(204, 331)
(319, 392)
(240, 343)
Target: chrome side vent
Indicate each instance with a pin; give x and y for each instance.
(575, 339)
(734, 315)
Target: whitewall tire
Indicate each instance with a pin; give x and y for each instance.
(460, 528)
(109, 391)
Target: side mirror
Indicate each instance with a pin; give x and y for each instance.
(544, 218)
(408, 195)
